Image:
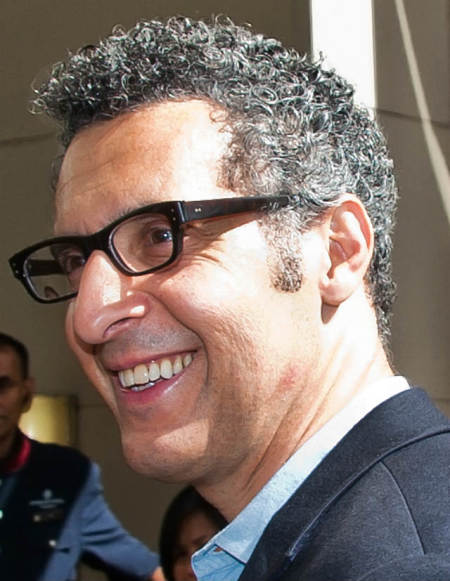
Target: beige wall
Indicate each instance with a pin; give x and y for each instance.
(421, 329)
(35, 34)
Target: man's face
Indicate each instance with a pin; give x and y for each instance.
(15, 393)
(232, 351)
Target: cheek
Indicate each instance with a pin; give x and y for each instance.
(289, 378)
(12, 407)
(211, 300)
(180, 569)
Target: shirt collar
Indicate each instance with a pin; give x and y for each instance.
(19, 455)
(241, 536)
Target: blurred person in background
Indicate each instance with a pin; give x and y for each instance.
(189, 522)
(52, 510)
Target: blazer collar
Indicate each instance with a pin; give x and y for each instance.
(397, 422)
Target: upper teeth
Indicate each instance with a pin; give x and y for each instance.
(143, 373)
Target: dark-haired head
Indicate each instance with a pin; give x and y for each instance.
(8, 342)
(185, 505)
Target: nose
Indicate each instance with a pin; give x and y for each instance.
(106, 302)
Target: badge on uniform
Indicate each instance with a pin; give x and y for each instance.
(49, 508)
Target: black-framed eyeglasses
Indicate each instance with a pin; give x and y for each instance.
(143, 241)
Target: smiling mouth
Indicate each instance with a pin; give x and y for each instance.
(145, 376)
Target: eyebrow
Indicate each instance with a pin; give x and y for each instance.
(201, 540)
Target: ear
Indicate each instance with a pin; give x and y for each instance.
(350, 246)
(29, 385)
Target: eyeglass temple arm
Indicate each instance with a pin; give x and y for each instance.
(43, 267)
(222, 207)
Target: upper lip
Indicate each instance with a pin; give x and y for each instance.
(131, 362)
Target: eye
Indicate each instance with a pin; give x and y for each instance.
(147, 230)
(153, 234)
(5, 383)
(71, 261)
(179, 554)
(144, 241)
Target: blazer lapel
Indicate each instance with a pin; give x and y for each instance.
(395, 423)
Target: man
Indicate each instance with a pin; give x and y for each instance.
(224, 215)
(52, 510)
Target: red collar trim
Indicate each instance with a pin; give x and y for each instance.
(20, 457)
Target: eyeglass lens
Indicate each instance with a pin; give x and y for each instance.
(141, 243)
(45, 272)
(144, 241)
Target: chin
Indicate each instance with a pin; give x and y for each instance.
(167, 464)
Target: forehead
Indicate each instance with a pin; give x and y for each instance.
(169, 151)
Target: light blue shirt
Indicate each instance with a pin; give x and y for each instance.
(224, 557)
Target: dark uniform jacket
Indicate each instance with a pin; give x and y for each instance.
(55, 514)
(377, 508)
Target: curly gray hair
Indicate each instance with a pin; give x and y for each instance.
(295, 127)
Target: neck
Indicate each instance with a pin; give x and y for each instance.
(353, 362)
(9, 444)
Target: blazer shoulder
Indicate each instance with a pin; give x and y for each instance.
(66, 457)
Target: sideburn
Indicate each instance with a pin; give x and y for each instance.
(285, 261)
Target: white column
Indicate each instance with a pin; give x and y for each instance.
(342, 31)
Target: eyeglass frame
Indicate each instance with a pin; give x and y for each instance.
(179, 213)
